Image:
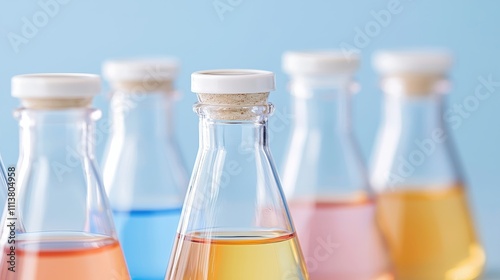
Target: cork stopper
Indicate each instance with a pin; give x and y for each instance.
(233, 94)
(56, 91)
(413, 73)
(240, 99)
(414, 85)
(56, 103)
(234, 106)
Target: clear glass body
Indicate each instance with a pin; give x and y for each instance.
(326, 184)
(235, 223)
(61, 226)
(3, 185)
(422, 205)
(145, 179)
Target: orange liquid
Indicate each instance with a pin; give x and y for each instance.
(430, 234)
(94, 260)
(237, 256)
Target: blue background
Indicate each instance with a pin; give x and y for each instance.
(253, 34)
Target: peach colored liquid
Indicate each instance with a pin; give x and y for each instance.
(340, 239)
(67, 259)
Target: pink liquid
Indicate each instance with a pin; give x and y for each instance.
(340, 240)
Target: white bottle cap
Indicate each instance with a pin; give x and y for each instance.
(431, 62)
(141, 70)
(56, 86)
(320, 62)
(232, 81)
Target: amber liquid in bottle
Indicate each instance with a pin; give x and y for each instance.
(430, 233)
(238, 255)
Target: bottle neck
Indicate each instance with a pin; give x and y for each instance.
(234, 184)
(217, 131)
(235, 138)
(59, 189)
(413, 147)
(146, 115)
(413, 117)
(63, 138)
(323, 158)
(323, 104)
(413, 105)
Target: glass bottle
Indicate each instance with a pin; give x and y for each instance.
(324, 177)
(6, 187)
(422, 210)
(235, 223)
(143, 170)
(61, 226)
(3, 186)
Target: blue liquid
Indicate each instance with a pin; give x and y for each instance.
(147, 238)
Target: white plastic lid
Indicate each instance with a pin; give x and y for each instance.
(133, 70)
(320, 62)
(434, 62)
(232, 81)
(63, 86)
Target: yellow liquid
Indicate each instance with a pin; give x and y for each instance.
(237, 256)
(430, 234)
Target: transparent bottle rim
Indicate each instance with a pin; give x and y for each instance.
(36, 116)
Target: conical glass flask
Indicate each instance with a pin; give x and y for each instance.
(324, 177)
(144, 175)
(422, 205)
(4, 185)
(61, 226)
(235, 223)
